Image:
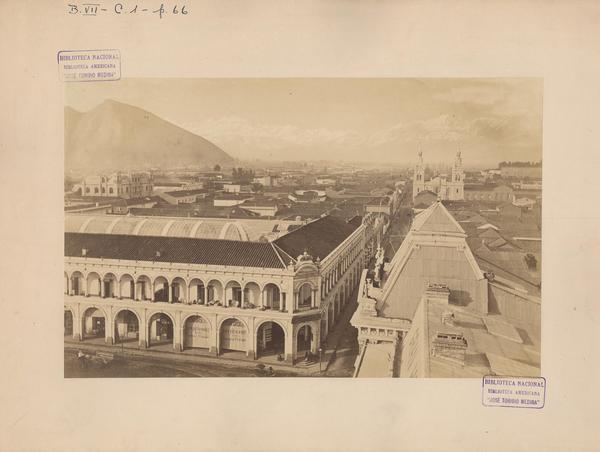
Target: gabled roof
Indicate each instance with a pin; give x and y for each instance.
(436, 219)
(176, 250)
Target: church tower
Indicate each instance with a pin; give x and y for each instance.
(456, 187)
(419, 176)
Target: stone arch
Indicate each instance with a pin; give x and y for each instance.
(270, 338)
(77, 286)
(93, 282)
(143, 288)
(305, 295)
(127, 323)
(196, 331)
(304, 338)
(109, 285)
(93, 323)
(252, 294)
(233, 335)
(127, 286)
(272, 297)
(233, 293)
(161, 328)
(160, 287)
(215, 291)
(178, 290)
(196, 291)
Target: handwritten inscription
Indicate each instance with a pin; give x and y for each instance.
(126, 9)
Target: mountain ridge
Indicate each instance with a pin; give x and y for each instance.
(115, 135)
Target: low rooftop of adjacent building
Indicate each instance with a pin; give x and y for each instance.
(207, 228)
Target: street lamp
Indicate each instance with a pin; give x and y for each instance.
(320, 358)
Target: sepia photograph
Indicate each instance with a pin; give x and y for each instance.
(303, 227)
(299, 226)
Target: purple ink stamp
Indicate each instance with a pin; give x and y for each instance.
(89, 65)
(516, 392)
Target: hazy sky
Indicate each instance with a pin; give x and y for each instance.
(384, 120)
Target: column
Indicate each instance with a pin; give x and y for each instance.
(177, 333)
(282, 302)
(169, 292)
(153, 288)
(205, 294)
(143, 339)
(316, 334)
(77, 323)
(313, 300)
(263, 298)
(102, 294)
(109, 330)
(289, 344)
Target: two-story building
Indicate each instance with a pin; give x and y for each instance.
(235, 297)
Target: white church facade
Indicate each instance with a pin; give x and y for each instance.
(446, 189)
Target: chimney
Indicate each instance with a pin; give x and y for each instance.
(449, 346)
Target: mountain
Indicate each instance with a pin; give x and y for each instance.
(115, 135)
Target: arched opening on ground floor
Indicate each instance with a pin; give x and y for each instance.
(270, 340)
(233, 336)
(160, 329)
(68, 323)
(305, 338)
(94, 324)
(196, 332)
(127, 327)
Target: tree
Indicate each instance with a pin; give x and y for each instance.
(217, 167)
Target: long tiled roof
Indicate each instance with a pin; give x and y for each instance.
(318, 238)
(175, 249)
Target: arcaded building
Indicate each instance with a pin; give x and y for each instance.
(216, 286)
